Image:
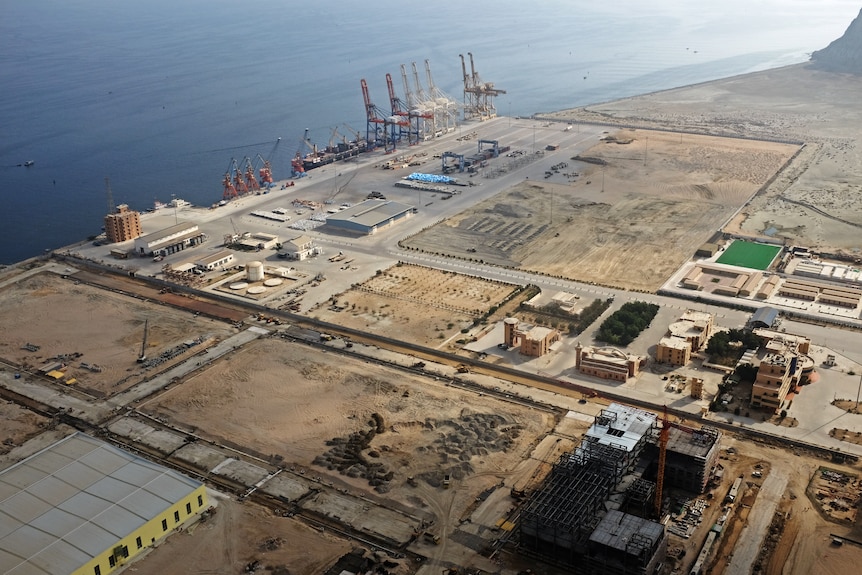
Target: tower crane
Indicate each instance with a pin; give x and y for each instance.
(664, 436)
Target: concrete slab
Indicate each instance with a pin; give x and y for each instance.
(201, 456)
(287, 486)
(362, 516)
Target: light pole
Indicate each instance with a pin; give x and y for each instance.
(174, 202)
(857, 394)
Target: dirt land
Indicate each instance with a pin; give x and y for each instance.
(629, 218)
(19, 424)
(358, 423)
(238, 534)
(422, 305)
(92, 326)
(816, 201)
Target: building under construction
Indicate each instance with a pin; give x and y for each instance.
(594, 514)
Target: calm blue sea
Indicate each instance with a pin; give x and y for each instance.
(159, 95)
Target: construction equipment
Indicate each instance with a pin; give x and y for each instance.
(143, 355)
(663, 437)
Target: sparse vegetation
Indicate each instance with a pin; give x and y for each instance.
(724, 347)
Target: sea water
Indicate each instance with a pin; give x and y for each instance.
(159, 96)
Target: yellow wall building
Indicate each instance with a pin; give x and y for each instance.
(531, 340)
(85, 507)
(123, 225)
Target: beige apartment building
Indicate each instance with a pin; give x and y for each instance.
(122, 225)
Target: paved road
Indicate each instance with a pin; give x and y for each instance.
(759, 518)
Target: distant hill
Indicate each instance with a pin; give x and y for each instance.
(843, 54)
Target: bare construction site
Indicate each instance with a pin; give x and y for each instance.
(626, 214)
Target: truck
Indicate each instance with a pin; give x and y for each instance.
(325, 337)
(447, 481)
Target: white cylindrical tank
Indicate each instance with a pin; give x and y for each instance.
(254, 271)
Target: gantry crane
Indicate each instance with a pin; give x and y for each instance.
(417, 116)
(478, 95)
(446, 108)
(400, 116)
(374, 122)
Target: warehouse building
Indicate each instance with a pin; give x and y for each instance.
(369, 216)
(170, 240)
(220, 259)
(85, 507)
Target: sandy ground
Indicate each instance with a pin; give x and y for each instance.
(18, 425)
(816, 201)
(278, 400)
(92, 326)
(629, 222)
(422, 305)
(238, 534)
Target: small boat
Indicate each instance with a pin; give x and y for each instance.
(28, 163)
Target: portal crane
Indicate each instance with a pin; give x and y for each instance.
(229, 189)
(265, 171)
(250, 180)
(297, 169)
(425, 103)
(239, 180)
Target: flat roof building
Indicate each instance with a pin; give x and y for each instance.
(122, 225)
(607, 362)
(170, 240)
(215, 261)
(369, 216)
(83, 506)
(531, 340)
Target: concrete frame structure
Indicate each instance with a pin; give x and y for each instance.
(123, 225)
(572, 517)
(84, 507)
(170, 240)
(531, 340)
(258, 241)
(607, 362)
(369, 216)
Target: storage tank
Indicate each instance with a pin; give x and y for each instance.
(254, 271)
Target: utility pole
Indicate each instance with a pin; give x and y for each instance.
(857, 393)
(174, 202)
(646, 148)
